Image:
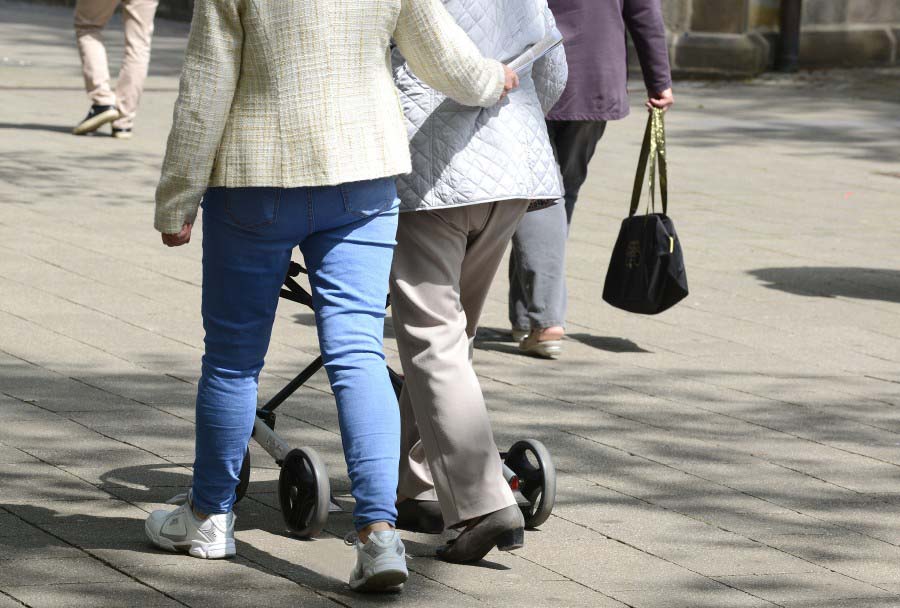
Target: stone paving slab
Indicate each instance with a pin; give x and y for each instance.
(7, 601)
(738, 450)
(786, 589)
(41, 572)
(127, 595)
(32, 544)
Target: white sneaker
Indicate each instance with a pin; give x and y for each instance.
(181, 530)
(380, 563)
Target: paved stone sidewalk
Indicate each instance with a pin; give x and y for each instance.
(740, 450)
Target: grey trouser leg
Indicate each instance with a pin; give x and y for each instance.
(443, 267)
(537, 266)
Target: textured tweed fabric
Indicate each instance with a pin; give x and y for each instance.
(292, 94)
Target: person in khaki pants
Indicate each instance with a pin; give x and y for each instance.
(475, 172)
(120, 106)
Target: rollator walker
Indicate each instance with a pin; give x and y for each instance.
(304, 491)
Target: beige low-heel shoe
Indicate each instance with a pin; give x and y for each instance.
(519, 334)
(545, 349)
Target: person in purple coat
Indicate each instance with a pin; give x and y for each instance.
(594, 33)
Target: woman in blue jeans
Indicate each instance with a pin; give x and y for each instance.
(289, 128)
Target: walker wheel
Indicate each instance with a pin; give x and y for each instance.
(304, 492)
(531, 462)
(244, 482)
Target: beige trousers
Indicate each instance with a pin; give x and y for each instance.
(91, 16)
(443, 267)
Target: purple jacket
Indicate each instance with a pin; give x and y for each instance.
(594, 32)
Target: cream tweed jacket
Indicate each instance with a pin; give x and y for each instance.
(291, 93)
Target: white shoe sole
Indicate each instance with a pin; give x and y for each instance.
(96, 122)
(122, 135)
(547, 349)
(195, 548)
(389, 579)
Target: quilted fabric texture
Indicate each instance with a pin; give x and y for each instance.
(300, 93)
(464, 155)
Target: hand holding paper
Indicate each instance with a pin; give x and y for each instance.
(512, 81)
(535, 52)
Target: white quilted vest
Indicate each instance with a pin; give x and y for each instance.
(465, 156)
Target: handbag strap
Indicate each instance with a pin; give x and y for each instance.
(653, 149)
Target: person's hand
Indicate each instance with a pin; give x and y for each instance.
(180, 238)
(512, 81)
(663, 100)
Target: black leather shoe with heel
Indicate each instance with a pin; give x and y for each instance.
(504, 529)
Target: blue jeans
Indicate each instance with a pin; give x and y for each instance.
(347, 235)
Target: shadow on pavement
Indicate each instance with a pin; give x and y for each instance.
(499, 340)
(496, 340)
(833, 281)
(679, 476)
(746, 117)
(35, 127)
(105, 538)
(609, 344)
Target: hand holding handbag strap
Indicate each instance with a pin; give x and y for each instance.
(654, 149)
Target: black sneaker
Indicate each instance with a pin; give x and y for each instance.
(96, 118)
(121, 133)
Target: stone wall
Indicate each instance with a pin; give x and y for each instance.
(739, 37)
(850, 32)
(176, 9)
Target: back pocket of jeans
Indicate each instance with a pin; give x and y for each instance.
(252, 208)
(371, 197)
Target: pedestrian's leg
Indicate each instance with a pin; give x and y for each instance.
(418, 509)
(244, 262)
(539, 246)
(520, 292)
(483, 256)
(349, 262)
(243, 269)
(430, 325)
(575, 144)
(91, 16)
(537, 265)
(415, 481)
(517, 302)
(137, 19)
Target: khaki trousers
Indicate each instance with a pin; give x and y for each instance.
(443, 267)
(91, 16)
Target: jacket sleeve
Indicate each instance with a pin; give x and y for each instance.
(550, 72)
(644, 21)
(208, 80)
(441, 54)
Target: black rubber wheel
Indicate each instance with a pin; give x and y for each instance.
(304, 492)
(531, 462)
(244, 482)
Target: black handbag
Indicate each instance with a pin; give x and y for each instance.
(646, 271)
